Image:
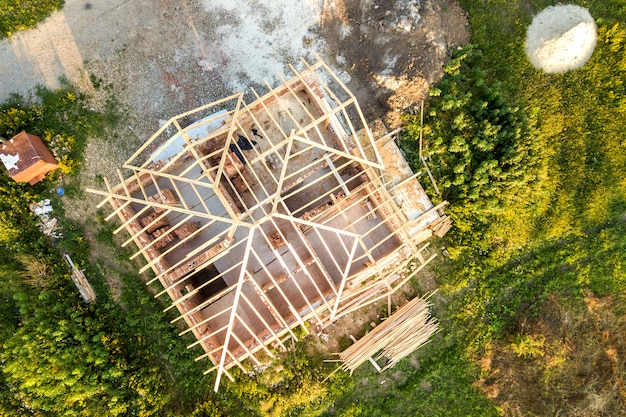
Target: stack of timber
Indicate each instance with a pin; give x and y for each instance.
(84, 287)
(405, 331)
(49, 226)
(441, 226)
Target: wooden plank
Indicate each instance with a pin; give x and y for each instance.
(231, 321)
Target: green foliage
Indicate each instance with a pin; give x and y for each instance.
(439, 384)
(18, 225)
(588, 154)
(62, 357)
(529, 345)
(566, 237)
(481, 150)
(499, 296)
(61, 117)
(23, 14)
(64, 121)
(8, 230)
(67, 360)
(579, 115)
(207, 409)
(291, 386)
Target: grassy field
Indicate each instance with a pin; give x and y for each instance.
(531, 321)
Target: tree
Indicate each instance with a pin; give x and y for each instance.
(481, 149)
(60, 356)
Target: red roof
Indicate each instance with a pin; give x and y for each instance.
(27, 158)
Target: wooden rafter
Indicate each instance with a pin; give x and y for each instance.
(290, 172)
(231, 321)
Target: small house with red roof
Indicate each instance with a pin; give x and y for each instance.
(27, 158)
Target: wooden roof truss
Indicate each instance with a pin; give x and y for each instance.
(259, 217)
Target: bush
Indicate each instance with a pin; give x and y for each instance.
(481, 149)
(64, 121)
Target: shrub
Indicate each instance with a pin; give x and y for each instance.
(481, 149)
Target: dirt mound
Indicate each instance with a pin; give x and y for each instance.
(568, 360)
(561, 38)
(393, 50)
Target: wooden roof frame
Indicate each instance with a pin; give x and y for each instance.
(286, 251)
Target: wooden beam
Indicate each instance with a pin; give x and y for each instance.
(166, 207)
(212, 252)
(231, 321)
(260, 316)
(283, 170)
(280, 291)
(229, 140)
(268, 302)
(343, 282)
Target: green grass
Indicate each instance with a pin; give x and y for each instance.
(16, 15)
(569, 241)
(438, 384)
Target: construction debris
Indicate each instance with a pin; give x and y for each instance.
(49, 226)
(41, 208)
(258, 217)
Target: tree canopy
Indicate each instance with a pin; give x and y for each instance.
(482, 150)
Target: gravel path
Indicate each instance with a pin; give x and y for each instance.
(247, 42)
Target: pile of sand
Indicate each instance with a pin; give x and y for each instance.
(561, 38)
(257, 40)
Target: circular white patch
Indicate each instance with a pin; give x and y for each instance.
(561, 38)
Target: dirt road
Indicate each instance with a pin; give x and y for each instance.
(167, 56)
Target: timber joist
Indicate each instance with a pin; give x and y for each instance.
(259, 217)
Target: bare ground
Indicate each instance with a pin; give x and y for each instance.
(393, 50)
(574, 367)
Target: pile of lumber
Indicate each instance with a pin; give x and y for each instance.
(84, 287)
(405, 331)
(50, 226)
(441, 226)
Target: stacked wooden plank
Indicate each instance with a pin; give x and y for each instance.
(441, 226)
(405, 331)
(84, 287)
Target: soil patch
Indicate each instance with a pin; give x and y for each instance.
(393, 51)
(567, 360)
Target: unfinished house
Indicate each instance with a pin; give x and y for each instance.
(261, 217)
